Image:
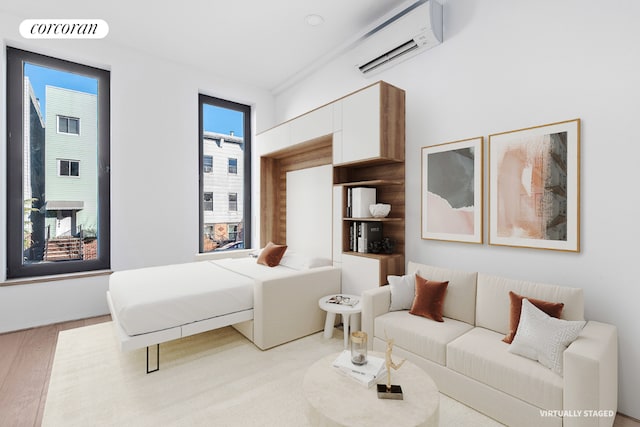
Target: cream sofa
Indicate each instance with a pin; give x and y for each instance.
(468, 360)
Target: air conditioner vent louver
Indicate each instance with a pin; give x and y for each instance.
(388, 56)
(412, 31)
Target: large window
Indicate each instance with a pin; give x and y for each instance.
(57, 172)
(225, 137)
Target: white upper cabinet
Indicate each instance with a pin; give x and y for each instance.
(361, 125)
(274, 139)
(312, 125)
(372, 126)
(367, 125)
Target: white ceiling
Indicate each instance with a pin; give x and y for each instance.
(258, 42)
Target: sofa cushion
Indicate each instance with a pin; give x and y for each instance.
(553, 309)
(419, 335)
(544, 338)
(460, 302)
(429, 298)
(480, 354)
(493, 305)
(403, 291)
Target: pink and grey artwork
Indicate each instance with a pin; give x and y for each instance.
(450, 191)
(531, 180)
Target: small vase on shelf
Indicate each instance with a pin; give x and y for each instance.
(388, 245)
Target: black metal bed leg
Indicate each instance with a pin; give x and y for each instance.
(157, 359)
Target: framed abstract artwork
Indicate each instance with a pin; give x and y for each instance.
(534, 187)
(452, 191)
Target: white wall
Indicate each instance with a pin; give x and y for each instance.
(506, 65)
(154, 163)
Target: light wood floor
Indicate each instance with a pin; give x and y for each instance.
(26, 358)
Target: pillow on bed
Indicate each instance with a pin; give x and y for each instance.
(319, 262)
(298, 261)
(271, 254)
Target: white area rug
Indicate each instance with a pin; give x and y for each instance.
(217, 378)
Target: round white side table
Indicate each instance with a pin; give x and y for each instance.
(349, 322)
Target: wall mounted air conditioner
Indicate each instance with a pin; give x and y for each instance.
(405, 34)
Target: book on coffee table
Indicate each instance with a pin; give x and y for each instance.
(367, 374)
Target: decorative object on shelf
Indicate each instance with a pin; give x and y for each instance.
(452, 191)
(361, 198)
(534, 183)
(375, 247)
(380, 210)
(388, 245)
(359, 348)
(388, 391)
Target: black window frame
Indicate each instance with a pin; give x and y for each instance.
(246, 212)
(16, 268)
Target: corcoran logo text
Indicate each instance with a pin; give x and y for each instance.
(64, 29)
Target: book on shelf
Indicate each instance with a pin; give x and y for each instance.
(362, 243)
(367, 375)
(371, 232)
(362, 233)
(361, 198)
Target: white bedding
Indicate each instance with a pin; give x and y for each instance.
(157, 298)
(248, 267)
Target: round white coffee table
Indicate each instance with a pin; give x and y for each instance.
(337, 400)
(348, 321)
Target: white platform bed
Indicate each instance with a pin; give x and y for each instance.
(268, 305)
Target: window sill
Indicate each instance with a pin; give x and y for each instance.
(54, 278)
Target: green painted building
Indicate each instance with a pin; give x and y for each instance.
(71, 175)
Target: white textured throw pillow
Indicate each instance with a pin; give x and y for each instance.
(544, 338)
(403, 291)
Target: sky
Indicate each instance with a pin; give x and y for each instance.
(216, 119)
(43, 76)
(222, 120)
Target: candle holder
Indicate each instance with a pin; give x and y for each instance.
(359, 348)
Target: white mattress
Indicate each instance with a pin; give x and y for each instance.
(250, 268)
(157, 298)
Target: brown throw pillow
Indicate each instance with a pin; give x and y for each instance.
(429, 298)
(271, 254)
(553, 309)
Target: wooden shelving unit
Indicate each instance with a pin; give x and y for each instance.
(363, 136)
(388, 179)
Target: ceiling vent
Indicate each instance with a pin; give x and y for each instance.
(402, 36)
